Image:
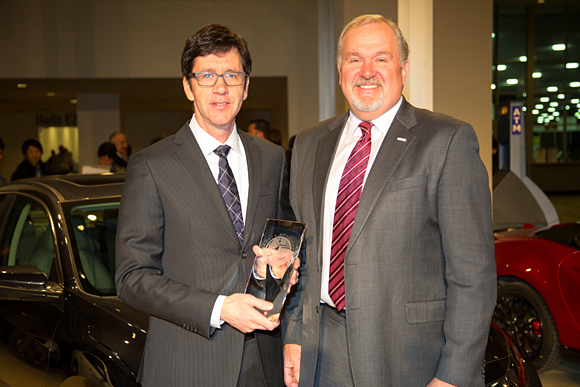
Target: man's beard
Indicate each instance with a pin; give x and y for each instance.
(367, 104)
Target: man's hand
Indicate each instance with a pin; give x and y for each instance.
(439, 383)
(239, 310)
(292, 353)
(273, 258)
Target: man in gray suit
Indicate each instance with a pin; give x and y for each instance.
(398, 284)
(193, 207)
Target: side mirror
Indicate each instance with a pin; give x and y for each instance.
(25, 283)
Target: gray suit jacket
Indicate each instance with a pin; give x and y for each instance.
(177, 250)
(419, 269)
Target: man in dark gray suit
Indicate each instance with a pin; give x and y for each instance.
(194, 205)
(398, 284)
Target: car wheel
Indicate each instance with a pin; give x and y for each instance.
(522, 313)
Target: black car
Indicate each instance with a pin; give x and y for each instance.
(58, 306)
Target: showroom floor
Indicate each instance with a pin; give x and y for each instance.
(566, 375)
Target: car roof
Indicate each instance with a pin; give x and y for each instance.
(72, 186)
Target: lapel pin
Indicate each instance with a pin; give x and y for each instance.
(401, 139)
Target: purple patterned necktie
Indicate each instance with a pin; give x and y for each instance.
(349, 191)
(229, 190)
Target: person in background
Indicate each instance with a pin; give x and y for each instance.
(401, 280)
(2, 178)
(107, 156)
(275, 136)
(32, 166)
(260, 128)
(61, 163)
(119, 139)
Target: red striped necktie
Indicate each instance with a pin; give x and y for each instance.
(349, 191)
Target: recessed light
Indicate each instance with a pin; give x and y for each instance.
(50, 94)
(537, 74)
(572, 65)
(501, 67)
(559, 47)
(22, 85)
(552, 89)
(512, 81)
(73, 101)
(523, 58)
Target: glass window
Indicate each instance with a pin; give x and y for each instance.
(92, 228)
(28, 238)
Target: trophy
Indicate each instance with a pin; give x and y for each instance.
(271, 273)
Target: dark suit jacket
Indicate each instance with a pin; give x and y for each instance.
(177, 250)
(419, 270)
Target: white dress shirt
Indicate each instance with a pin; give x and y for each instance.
(239, 166)
(350, 135)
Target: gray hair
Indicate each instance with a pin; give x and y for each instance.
(368, 19)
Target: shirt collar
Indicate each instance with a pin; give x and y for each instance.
(208, 144)
(382, 123)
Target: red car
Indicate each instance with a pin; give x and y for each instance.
(538, 302)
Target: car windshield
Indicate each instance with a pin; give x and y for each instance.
(92, 227)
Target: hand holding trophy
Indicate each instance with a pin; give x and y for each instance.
(274, 263)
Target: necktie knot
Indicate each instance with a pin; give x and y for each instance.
(366, 127)
(222, 151)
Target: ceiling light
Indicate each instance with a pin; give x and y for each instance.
(575, 100)
(512, 81)
(559, 47)
(574, 84)
(553, 103)
(73, 101)
(572, 65)
(523, 58)
(552, 89)
(501, 67)
(50, 94)
(536, 74)
(539, 106)
(551, 110)
(493, 86)
(561, 96)
(544, 99)
(535, 112)
(22, 85)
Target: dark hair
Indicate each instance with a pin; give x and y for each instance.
(107, 149)
(214, 39)
(28, 143)
(263, 126)
(1, 144)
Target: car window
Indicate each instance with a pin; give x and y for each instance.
(28, 238)
(93, 228)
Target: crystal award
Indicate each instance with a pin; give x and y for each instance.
(271, 273)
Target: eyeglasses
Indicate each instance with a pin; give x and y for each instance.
(231, 78)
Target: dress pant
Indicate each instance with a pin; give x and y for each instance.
(251, 374)
(333, 368)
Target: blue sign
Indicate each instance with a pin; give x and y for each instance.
(516, 119)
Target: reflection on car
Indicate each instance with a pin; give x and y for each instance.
(58, 306)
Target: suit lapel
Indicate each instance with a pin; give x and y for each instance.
(187, 149)
(390, 154)
(326, 149)
(254, 160)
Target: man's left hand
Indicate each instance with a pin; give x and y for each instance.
(440, 383)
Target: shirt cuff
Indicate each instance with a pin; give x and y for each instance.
(216, 313)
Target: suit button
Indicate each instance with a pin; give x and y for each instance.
(244, 255)
(316, 309)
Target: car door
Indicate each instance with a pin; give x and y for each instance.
(30, 291)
